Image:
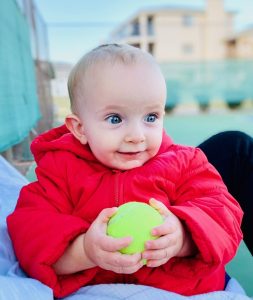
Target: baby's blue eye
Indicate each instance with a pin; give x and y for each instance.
(151, 118)
(114, 119)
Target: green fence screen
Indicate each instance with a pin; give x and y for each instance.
(19, 110)
(230, 80)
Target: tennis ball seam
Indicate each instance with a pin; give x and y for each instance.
(117, 216)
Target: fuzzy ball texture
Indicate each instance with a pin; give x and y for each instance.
(134, 219)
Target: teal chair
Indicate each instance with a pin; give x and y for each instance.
(30, 174)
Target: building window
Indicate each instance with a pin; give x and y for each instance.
(187, 20)
(135, 28)
(151, 48)
(150, 25)
(187, 49)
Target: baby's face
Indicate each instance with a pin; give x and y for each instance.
(122, 114)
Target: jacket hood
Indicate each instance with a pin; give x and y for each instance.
(60, 138)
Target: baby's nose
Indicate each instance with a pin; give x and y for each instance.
(135, 135)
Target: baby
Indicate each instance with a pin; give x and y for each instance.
(112, 150)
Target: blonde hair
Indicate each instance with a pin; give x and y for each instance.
(107, 53)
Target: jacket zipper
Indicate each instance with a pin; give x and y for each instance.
(117, 188)
(117, 203)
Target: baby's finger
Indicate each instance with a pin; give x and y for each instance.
(123, 263)
(111, 244)
(123, 260)
(160, 254)
(160, 243)
(102, 219)
(128, 269)
(105, 215)
(156, 263)
(163, 229)
(159, 206)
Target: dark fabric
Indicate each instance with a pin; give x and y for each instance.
(231, 152)
(227, 278)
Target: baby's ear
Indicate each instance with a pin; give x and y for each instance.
(75, 126)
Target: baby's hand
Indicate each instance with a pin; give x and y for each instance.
(174, 240)
(102, 250)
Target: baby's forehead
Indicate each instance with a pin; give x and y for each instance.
(122, 60)
(121, 83)
(126, 54)
(95, 73)
(102, 66)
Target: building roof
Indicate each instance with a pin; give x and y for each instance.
(175, 8)
(172, 8)
(162, 8)
(246, 31)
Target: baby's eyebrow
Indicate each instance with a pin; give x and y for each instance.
(119, 107)
(109, 107)
(155, 107)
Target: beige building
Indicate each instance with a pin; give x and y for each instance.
(241, 45)
(179, 33)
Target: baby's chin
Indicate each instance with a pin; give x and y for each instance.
(129, 165)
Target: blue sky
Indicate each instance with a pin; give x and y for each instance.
(68, 40)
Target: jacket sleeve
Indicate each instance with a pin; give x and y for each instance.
(211, 214)
(43, 224)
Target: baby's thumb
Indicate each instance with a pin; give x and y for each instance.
(159, 206)
(106, 214)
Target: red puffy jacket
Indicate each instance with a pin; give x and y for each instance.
(73, 187)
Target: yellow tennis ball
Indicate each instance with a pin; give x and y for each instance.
(135, 219)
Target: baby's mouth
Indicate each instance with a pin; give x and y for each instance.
(130, 154)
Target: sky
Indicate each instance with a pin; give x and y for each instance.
(76, 26)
